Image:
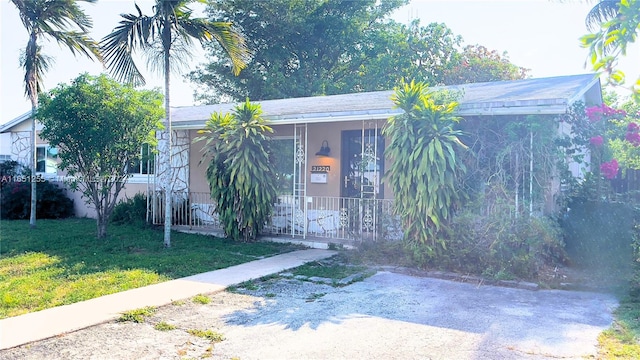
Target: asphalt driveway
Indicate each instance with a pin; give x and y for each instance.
(386, 316)
(397, 316)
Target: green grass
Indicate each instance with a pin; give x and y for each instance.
(334, 271)
(621, 340)
(164, 326)
(137, 315)
(201, 299)
(207, 334)
(61, 262)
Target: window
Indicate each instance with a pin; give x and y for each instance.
(145, 164)
(46, 159)
(282, 151)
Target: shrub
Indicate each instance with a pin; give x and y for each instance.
(500, 245)
(52, 202)
(131, 211)
(11, 168)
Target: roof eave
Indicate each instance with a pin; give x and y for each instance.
(578, 96)
(556, 109)
(522, 110)
(18, 120)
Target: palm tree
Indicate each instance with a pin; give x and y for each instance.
(53, 19)
(169, 32)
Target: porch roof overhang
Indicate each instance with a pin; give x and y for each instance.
(543, 96)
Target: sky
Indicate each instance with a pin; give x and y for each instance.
(541, 35)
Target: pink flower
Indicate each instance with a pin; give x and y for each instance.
(633, 127)
(633, 138)
(609, 169)
(596, 140)
(594, 113)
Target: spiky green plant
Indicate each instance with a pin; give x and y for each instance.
(241, 178)
(425, 148)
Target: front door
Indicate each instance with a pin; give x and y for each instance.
(362, 164)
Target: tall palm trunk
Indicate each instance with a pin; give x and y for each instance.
(166, 43)
(32, 83)
(34, 161)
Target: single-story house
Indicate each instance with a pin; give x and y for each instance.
(330, 153)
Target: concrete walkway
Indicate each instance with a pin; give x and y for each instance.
(23, 329)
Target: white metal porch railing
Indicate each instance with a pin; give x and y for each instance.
(326, 217)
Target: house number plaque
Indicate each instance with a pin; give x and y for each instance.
(320, 168)
(319, 174)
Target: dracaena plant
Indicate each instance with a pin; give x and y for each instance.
(425, 147)
(241, 178)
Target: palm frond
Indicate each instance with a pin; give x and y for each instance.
(134, 32)
(57, 19)
(180, 53)
(35, 65)
(227, 37)
(64, 14)
(603, 11)
(78, 42)
(171, 29)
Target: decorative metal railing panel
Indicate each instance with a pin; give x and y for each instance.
(192, 209)
(335, 218)
(326, 217)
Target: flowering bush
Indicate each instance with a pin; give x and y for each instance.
(632, 135)
(596, 141)
(614, 135)
(609, 169)
(597, 113)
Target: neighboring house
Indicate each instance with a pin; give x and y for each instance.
(17, 134)
(330, 152)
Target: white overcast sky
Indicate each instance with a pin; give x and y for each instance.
(541, 35)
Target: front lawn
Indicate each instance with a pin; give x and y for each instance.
(61, 262)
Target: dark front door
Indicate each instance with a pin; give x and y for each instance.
(362, 163)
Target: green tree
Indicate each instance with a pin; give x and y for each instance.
(478, 64)
(241, 177)
(163, 36)
(306, 48)
(64, 21)
(619, 24)
(99, 126)
(432, 50)
(303, 48)
(426, 149)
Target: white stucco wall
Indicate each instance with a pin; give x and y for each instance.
(5, 144)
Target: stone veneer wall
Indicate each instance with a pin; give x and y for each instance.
(20, 149)
(179, 160)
